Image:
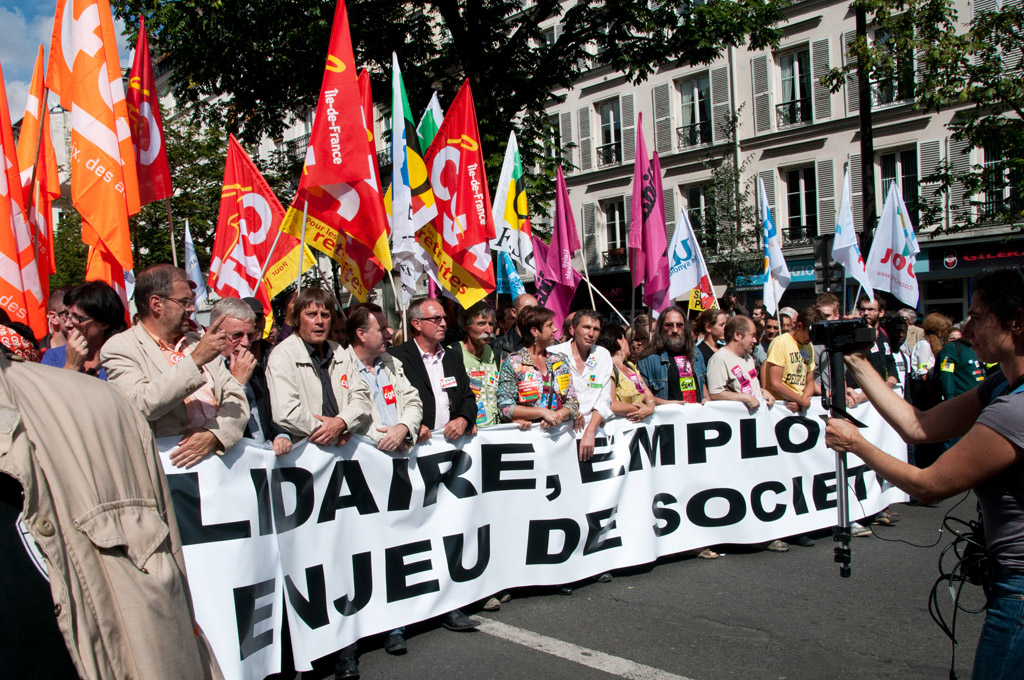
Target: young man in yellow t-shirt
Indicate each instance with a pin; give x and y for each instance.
(789, 373)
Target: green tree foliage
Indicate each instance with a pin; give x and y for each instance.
(972, 65)
(252, 66)
(68, 250)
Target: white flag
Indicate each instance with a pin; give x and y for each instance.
(512, 227)
(844, 246)
(195, 274)
(776, 273)
(686, 266)
(894, 251)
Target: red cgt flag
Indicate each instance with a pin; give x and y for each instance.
(338, 140)
(147, 129)
(250, 219)
(461, 246)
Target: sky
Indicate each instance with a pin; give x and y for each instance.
(25, 25)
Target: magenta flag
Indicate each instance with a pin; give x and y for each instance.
(565, 242)
(648, 238)
(551, 293)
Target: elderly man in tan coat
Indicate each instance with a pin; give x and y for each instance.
(170, 374)
(310, 393)
(95, 584)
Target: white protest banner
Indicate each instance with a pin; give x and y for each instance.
(367, 541)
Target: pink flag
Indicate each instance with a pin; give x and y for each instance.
(565, 242)
(648, 238)
(552, 293)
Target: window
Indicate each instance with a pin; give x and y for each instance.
(901, 166)
(553, 143)
(616, 224)
(802, 202)
(796, 88)
(696, 210)
(696, 99)
(609, 152)
(1001, 183)
(895, 83)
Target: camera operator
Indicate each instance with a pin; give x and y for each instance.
(988, 459)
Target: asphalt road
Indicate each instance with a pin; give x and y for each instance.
(748, 614)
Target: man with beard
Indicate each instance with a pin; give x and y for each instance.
(171, 374)
(477, 355)
(674, 371)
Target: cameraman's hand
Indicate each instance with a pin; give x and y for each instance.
(842, 435)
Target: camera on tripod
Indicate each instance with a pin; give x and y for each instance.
(842, 336)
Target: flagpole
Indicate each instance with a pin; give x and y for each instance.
(174, 251)
(302, 246)
(39, 148)
(270, 254)
(592, 289)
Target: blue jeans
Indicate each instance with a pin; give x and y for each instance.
(1000, 653)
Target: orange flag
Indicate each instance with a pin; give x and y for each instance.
(459, 239)
(250, 219)
(36, 158)
(147, 129)
(347, 220)
(84, 71)
(20, 291)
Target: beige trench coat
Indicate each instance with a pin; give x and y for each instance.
(408, 404)
(97, 504)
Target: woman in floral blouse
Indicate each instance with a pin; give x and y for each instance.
(534, 385)
(632, 398)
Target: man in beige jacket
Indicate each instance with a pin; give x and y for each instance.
(310, 393)
(170, 374)
(397, 409)
(94, 586)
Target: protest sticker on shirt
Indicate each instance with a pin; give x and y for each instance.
(389, 394)
(563, 382)
(529, 390)
(447, 383)
(344, 382)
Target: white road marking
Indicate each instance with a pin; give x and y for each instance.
(607, 663)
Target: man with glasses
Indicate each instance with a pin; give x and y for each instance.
(238, 321)
(443, 385)
(171, 374)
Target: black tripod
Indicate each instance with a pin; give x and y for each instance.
(837, 409)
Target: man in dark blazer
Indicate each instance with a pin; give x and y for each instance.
(437, 373)
(449, 404)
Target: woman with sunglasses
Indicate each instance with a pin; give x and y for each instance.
(93, 312)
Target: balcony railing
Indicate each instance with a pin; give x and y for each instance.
(890, 92)
(694, 134)
(800, 235)
(609, 154)
(616, 257)
(297, 147)
(794, 112)
(384, 156)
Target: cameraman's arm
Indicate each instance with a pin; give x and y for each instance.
(949, 419)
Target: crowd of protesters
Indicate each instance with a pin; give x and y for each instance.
(326, 373)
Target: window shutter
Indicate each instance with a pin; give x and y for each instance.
(824, 174)
(558, 31)
(586, 153)
(768, 177)
(819, 69)
(627, 202)
(856, 192)
(958, 153)
(628, 127)
(762, 94)
(565, 130)
(670, 211)
(721, 111)
(1012, 57)
(662, 117)
(852, 88)
(929, 155)
(590, 233)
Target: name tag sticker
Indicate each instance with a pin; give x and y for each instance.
(389, 394)
(447, 383)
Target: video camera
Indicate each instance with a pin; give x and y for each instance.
(842, 336)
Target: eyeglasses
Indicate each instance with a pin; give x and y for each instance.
(63, 314)
(78, 318)
(434, 319)
(185, 302)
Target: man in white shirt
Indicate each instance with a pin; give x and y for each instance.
(732, 372)
(591, 367)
